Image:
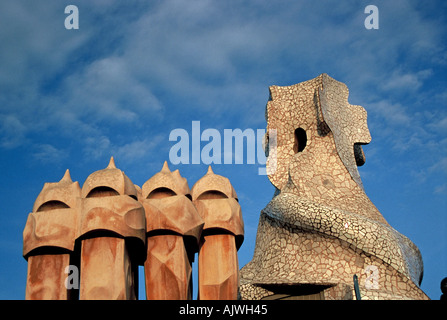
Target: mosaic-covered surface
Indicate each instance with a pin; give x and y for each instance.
(321, 229)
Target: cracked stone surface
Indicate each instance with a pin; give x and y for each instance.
(321, 228)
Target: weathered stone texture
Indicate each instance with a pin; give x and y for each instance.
(173, 228)
(223, 234)
(49, 239)
(111, 226)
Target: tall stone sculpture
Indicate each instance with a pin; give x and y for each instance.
(112, 230)
(320, 228)
(223, 234)
(49, 240)
(173, 233)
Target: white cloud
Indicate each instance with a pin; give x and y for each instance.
(406, 81)
(107, 90)
(440, 167)
(214, 58)
(12, 131)
(441, 189)
(48, 154)
(130, 151)
(393, 113)
(96, 146)
(439, 124)
(138, 149)
(193, 50)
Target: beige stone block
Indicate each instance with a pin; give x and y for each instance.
(46, 277)
(107, 272)
(167, 269)
(218, 268)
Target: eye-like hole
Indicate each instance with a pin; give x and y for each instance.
(265, 145)
(50, 205)
(99, 192)
(160, 193)
(212, 194)
(300, 141)
(359, 155)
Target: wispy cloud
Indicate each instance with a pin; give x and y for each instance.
(135, 68)
(49, 154)
(128, 152)
(441, 189)
(96, 147)
(139, 149)
(399, 80)
(12, 131)
(393, 114)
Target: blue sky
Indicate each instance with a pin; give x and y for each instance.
(135, 71)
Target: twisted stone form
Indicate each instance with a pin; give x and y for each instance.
(320, 228)
(105, 230)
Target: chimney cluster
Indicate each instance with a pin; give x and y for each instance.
(87, 243)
